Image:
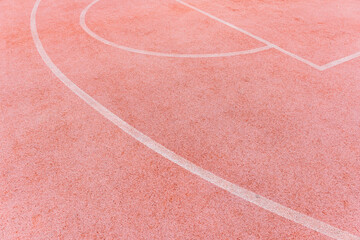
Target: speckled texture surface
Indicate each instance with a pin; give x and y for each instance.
(264, 121)
(315, 30)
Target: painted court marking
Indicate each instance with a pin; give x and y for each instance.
(243, 193)
(339, 61)
(159, 54)
(269, 45)
(318, 67)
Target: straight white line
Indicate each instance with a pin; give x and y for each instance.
(159, 54)
(253, 36)
(339, 61)
(243, 193)
(318, 67)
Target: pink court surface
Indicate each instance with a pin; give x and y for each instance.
(180, 119)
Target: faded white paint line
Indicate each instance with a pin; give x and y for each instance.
(318, 67)
(340, 61)
(159, 54)
(243, 193)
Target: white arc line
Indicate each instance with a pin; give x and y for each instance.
(243, 193)
(159, 54)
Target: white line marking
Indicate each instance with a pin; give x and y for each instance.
(252, 35)
(243, 193)
(318, 67)
(340, 61)
(159, 54)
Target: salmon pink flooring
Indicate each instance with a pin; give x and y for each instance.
(169, 119)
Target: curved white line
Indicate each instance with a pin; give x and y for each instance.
(243, 193)
(159, 54)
